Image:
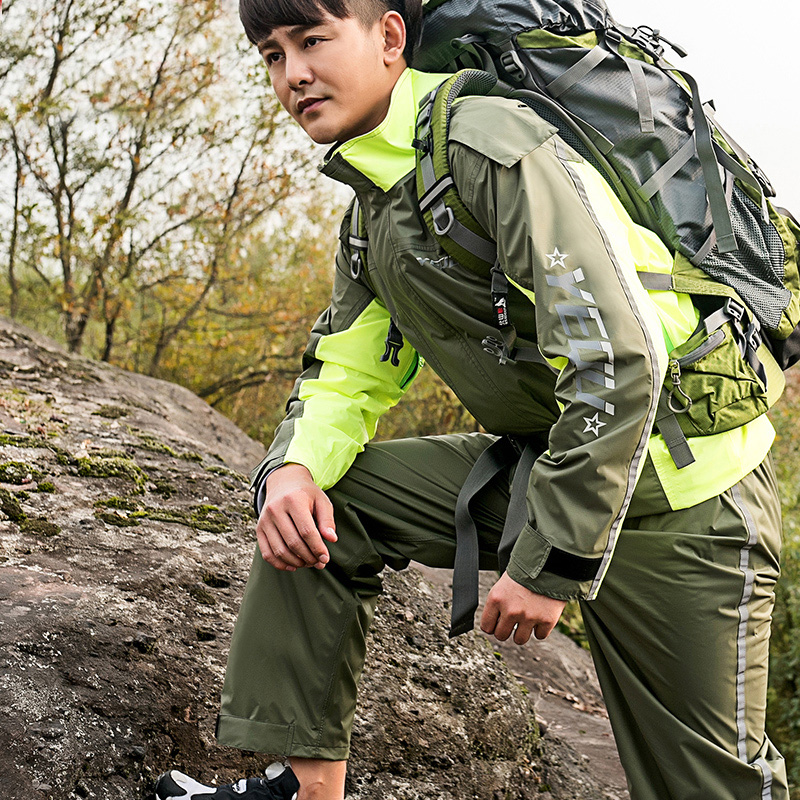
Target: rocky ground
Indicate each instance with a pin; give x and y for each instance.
(125, 541)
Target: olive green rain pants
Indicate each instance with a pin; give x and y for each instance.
(679, 631)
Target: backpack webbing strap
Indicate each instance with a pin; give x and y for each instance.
(737, 170)
(497, 457)
(517, 514)
(669, 170)
(656, 281)
(458, 232)
(644, 101)
(576, 73)
(674, 437)
(358, 242)
(501, 455)
(746, 332)
(744, 158)
(717, 200)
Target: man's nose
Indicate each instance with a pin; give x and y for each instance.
(298, 72)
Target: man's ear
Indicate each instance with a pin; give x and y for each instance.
(394, 37)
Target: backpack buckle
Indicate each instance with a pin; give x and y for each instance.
(513, 65)
(761, 177)
(734, 310)
(443, 219)
(753, 336)
(356, 266)
(497, 349)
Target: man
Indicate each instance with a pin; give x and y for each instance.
(675, 567)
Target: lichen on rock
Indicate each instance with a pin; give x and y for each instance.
(119, 593)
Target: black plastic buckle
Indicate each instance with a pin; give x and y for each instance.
(497, 349)
(761, 177)
(424, 145)
(513, 65)
(753, 336)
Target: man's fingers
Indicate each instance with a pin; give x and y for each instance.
(523, 632)
(280, 549)
(307, 542)
(296, 531)
(504, 627)
(544, 629)
(266, 551)
(489, 617)
(323, 511)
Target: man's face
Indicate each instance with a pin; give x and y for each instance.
(330, 77)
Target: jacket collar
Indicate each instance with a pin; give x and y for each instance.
(384, 155)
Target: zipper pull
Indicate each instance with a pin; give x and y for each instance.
(675, 376)
(394, 344)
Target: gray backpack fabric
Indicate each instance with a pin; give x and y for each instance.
(641, 122)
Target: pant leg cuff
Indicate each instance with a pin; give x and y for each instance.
(269, 737)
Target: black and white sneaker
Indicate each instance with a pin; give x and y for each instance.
(280, 783)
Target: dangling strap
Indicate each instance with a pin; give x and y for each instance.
(497, 457)
(717, 201)
(517, 515)
(644, 101)
(674, 437)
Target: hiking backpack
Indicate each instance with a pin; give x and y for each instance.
(638, 120)
(641, 123)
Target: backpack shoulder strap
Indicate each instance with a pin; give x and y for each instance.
(448, 219)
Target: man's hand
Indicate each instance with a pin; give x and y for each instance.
(296, 517)
(511, 604)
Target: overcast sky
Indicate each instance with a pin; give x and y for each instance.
(745, 57)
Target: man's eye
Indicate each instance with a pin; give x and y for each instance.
(312, 40)
(271, 58)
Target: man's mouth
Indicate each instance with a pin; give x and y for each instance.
(310, 104)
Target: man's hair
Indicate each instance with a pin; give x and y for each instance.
(261, 17)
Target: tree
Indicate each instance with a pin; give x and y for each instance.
(144, 147)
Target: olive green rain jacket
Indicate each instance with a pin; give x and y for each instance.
(572, 255)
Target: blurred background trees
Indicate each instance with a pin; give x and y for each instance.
(159, 211)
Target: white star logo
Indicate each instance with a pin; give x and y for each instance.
(593, 424)
(557, 259)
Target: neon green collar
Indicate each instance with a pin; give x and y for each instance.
(384, 154)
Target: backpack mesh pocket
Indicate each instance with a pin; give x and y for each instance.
(756, 269)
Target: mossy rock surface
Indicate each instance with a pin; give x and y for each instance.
(39, 526)
(9, 505)
(113, 467)
(111, 412)
(18, 472)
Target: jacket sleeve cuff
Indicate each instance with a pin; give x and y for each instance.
(541, 567)
(258, 479)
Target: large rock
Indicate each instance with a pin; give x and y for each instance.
(126, 535)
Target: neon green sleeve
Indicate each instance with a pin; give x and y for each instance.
(344, 387)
